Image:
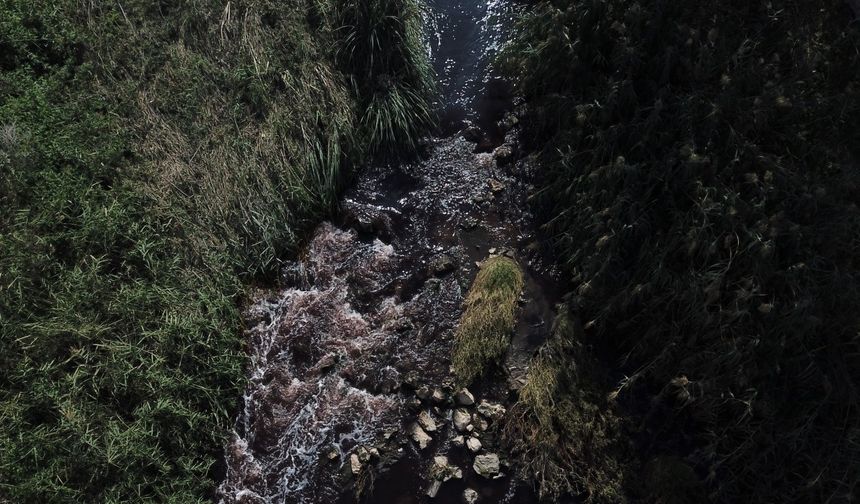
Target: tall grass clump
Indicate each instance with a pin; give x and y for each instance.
(154, 158)
(700, 184)
(381, 46)
(489, 317)
(564, 432)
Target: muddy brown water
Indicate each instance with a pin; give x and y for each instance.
(368, 312)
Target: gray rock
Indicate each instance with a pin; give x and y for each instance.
(503, 155)
(473, 134)
(439, 396)
(470, 496)
(464, 398)
(462, 419)
(423, 392)
(458, 441)
(442, 265)
(354, 464)
(419, 436)
(486, 465)
(426, 421)
(490, 410)
(473, 444)
(434, 488)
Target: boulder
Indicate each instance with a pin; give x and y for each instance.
(462, 419)
(420, 436)
(442, 265)
(473, 444)
(503, 155)
(490, 410)
(486, 465)
(439, 396)
(464, 398)
(434, 488)
(426, 421)
(470, 496)
(354, 464)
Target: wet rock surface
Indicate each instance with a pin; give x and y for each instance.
(358, 341)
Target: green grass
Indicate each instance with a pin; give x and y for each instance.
(488, 320)
(155, 158)
(699, 182)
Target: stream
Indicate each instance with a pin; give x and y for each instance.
(356, 341)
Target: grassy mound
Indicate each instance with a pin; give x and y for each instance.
(700, 182)
(562, 429)
(488, 320)
(153, 155)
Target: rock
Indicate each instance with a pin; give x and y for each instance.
(442, 265)
(464, 398)
(441, 470)
(503, 155)
(423, 392)
(458, 441)
(491, 410)
(495, 185)
(462, 418)
(473, 444)
(332, 453)
(426, 421)
(354, 463)
(363, 454)
(374, 453)
(482, 424)
(419, 436)
(486, 465)
(508, 122)
(439, 396)
(473, 134)
(434, 488)
(414, 404)
(470, 496)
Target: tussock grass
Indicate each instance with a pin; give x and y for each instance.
(566, 435)
(488, 320)
(154, 156)
(381, 44)
(699, 180)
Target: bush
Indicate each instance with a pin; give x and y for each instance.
(485, 329)
(700, 183)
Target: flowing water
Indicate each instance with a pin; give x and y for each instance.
(367, 314)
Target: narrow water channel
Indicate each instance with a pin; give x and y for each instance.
(367, 315)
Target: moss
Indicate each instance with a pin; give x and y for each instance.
(568, 438)
(485, 328)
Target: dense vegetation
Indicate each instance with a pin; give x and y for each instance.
(154, 158)
(489, 315)
(700, 182)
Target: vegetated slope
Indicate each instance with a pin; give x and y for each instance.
(700, 182)
(152, 156)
